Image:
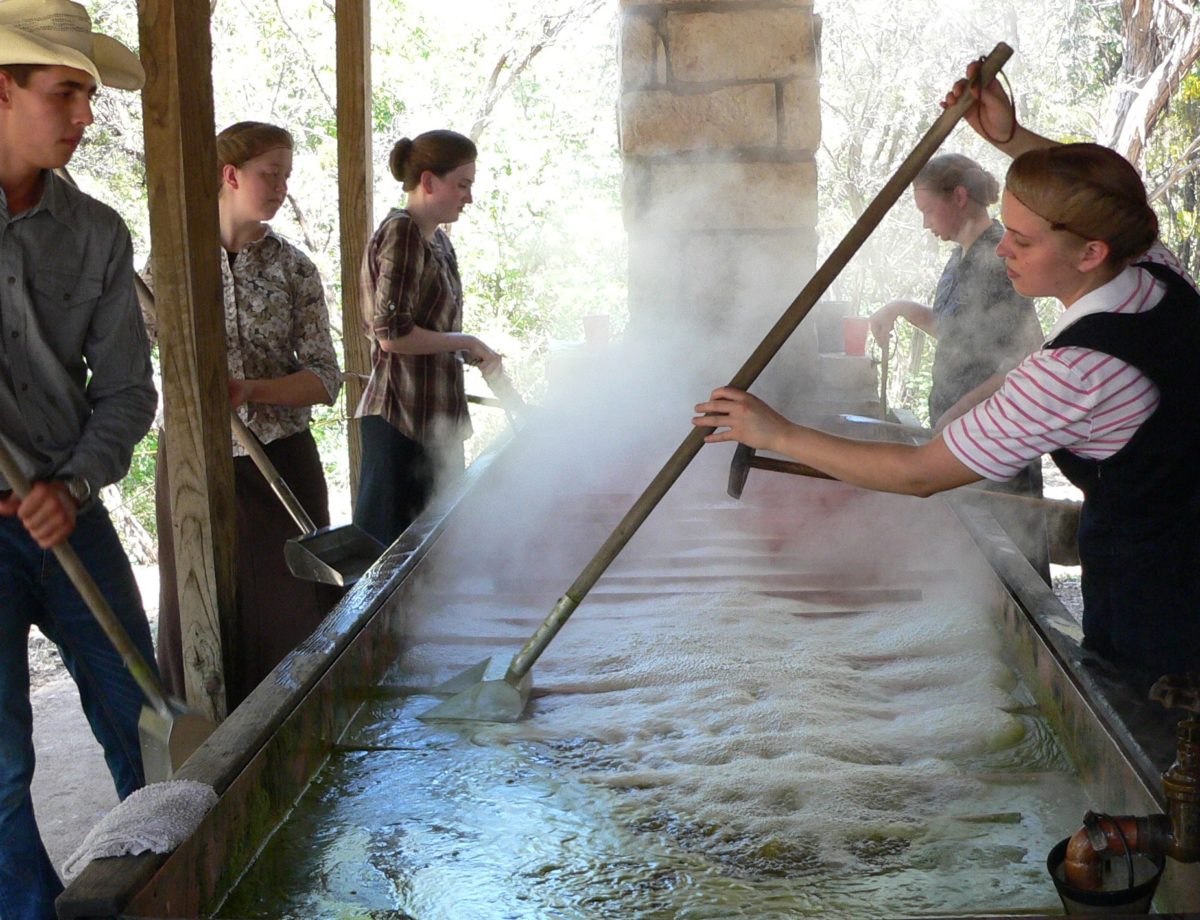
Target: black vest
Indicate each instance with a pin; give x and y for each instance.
(1149, 485)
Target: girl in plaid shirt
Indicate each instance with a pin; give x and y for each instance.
(414, 409)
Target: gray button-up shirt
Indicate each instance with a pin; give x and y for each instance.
(76, 391)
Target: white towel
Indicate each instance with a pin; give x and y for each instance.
(155, 819)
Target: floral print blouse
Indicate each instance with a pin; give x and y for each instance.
(276, 324)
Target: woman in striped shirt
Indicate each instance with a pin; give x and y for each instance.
(1109, 396)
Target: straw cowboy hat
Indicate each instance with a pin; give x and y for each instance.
(58, 32)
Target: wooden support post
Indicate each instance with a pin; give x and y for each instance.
(181, 175)
(355, 189)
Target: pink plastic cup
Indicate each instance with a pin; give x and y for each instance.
(854, 334)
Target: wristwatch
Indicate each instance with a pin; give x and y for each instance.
(79, 489)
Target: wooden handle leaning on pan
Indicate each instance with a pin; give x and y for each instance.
(774, 340)
(745, 459)
(91, 595)
(252, 446)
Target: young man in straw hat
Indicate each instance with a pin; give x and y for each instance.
(76, 395)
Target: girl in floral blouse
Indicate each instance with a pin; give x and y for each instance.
(414, 409)
(281, 362)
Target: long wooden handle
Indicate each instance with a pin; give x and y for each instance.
(86, 586)
(885, 348)
(755, 364)
(1055, 505)
(252, 446)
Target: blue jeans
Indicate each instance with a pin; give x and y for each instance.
(34, 590)
(398, 477)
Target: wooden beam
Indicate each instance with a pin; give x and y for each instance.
(355, 189)
(181, 175)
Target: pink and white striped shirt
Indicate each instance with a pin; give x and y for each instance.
(1084, 400)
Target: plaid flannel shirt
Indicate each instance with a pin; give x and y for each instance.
(408, 281)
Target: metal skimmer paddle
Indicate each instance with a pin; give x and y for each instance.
(167, 729)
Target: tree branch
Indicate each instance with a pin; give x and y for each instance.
(1162, 43)
(1184, 167)
(500, 80)
(302, 221)
(312, 67)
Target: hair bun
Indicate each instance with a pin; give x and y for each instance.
(438, 152)
(399, 157)
(948, 171)
(1090, 191)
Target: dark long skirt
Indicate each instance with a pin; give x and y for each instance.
(1141, 596)
(275, 610)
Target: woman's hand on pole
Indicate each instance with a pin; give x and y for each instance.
(239, 392)
(883, 321)
(918, 314)
(482, 357)
(880, 465)
(993, 116)
(297, 390)
(741, 417)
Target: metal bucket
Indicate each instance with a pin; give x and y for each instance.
(1140, 872)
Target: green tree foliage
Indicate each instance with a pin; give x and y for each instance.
(1172, 164)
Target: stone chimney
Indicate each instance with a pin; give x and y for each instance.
(719, 125)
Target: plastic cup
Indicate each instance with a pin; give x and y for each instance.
(854, 334)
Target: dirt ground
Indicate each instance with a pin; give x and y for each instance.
(71, 786)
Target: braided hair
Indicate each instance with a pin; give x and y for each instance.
(1090, 191)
